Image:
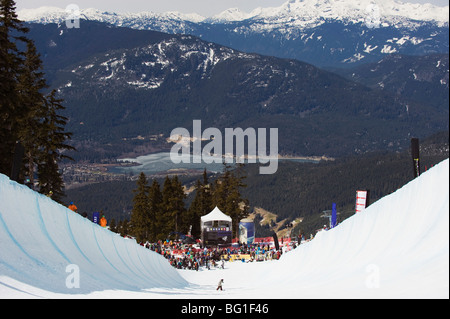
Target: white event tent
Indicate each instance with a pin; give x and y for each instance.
(215, 215)
(215, 225)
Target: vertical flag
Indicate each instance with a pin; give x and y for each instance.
(96, 217)
(275, 241)
(333, 216)
(362, 200)
(415, 156)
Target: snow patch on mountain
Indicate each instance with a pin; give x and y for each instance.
(149, 66)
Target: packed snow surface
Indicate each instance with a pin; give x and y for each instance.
(397, 248)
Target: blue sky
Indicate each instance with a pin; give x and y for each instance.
(203, 7)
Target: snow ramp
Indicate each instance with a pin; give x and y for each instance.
(46, 246)
(397, 248)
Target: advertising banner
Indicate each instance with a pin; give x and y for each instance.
(333, 216)
(96, 217)
(246, 232)
(362, 200)
(415, 156)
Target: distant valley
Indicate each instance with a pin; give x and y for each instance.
(120, 83)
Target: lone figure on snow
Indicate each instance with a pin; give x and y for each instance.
(219, 286)
(72, 207)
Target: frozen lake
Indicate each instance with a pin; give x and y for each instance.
(161, 162)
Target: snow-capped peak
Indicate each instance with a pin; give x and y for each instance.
(232, 14)
(310, 10)
(42, 14)
(175, 15)
(353, 9)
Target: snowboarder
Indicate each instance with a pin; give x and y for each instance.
(103, 221)
(219, 286)
(72, 207)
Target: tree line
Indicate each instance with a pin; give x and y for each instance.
(32, 128)
(297, 190)
(159, 211)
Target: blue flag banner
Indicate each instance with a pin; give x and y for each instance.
(96, 217)
(333, 216)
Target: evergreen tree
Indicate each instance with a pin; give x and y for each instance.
(165, 221)
(26, 115)
(112, 225)
(178, 207)
(123, 227)
(194, 212)
(30, 84)
(207, 201)
(228, 198)
(11, 61)
(52, 147)
(200, 206)
(140, 218)
(222, 188)
(172, 208)
(155, 204)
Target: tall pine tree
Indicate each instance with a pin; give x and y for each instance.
(201, 205)
(11, 62)
(165, 220)
(171, 219)
(30, 84)
(228, 198)
(178, 207)
(155, 205)
(26, 114)
(52, 147)
(140, 217)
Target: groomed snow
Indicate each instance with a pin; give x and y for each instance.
(397, 248)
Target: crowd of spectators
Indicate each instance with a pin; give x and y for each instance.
(193, 257)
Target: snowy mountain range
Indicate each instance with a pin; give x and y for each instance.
(300, 13)
(142, 82)
(324, 32)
